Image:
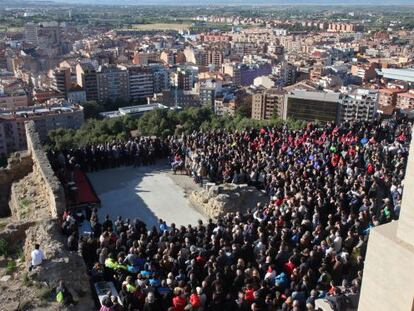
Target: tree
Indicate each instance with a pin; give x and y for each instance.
(91, 109)
(244, 107)
(157, 122)
(275, 112)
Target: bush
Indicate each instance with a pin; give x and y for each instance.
(4, 248)
(11, 267)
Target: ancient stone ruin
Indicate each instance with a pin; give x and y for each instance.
(217, 200)
(32, 201)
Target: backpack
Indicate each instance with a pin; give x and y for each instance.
(59, 297)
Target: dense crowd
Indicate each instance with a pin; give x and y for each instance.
(136, 152)
(327, 186)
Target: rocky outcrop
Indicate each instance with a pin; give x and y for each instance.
(28, 200)
(215, 200)
(19, 165)
(15, 233)
(35, 197)
(60, 264)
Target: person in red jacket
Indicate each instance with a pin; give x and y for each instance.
(289, 266)
(195, 301)
(179, 301)
(370, 169)
(249, 293)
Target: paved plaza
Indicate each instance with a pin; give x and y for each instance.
(148, 192)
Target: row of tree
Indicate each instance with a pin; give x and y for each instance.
(158, 122)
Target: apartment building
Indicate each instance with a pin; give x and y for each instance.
(141, 82)
(225, 106)
(342, 27)
(405, 100)
(12, 99)
(86, 78)
(31, 33)
(161, 77)
(184, 78)
(387, 100)
(215, 57)
(364, 71)
(312, 105)
(112, 83)
(267, 103)
(61, 79)
(145, 58)
(208, 91)
(55, 114)
(287, 74)
(359, 105)
(76, 95)
(41, 96)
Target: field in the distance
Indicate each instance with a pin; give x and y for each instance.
(161, 26)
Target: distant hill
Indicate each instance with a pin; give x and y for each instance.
(217, 2)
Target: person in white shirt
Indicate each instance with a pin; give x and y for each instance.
(37, 257)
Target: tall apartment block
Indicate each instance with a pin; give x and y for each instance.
(359, 105)
(31, 31)
(112, 83)
(267, 103)
(86, 78)
(141, 82)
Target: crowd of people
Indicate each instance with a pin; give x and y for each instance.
(327, 186)
(90, 158)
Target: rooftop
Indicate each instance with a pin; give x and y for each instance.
(315, 95)
(406, 74)
(54, 108)
(131, 110)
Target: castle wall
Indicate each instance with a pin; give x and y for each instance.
(43, 170)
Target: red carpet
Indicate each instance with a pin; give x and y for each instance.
(86, 194)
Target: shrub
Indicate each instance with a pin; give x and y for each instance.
(11, 266)
(4, 249)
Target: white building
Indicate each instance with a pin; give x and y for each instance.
(359, 105)
(264, 81)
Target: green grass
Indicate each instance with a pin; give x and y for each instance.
(24, 202)
(3, 224)
(20, 255)
(11, 267)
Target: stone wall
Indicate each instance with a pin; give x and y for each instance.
(388, 278)
(216, 201)
(42, 169)
(388, 281)
(19, 165)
